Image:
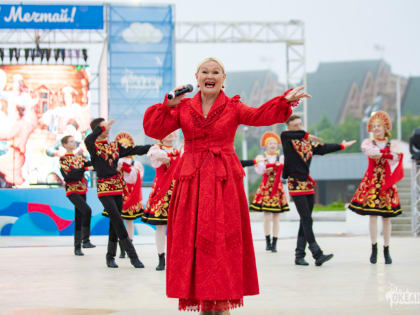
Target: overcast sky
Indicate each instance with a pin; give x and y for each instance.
(336, 30)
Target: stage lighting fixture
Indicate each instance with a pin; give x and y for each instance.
(11, 54)
(85, 56)
(33, 54)
(2, 54)
(415, 145)
(63, 54)
(27, 50)
(17, 54)
(77, 53)
(69, 53)
(48, 53)
(56, 54)
(42, 53)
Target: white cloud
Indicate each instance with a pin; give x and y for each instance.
(142, 33)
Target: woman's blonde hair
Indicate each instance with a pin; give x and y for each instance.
(211, 59)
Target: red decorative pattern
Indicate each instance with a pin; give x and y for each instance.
(206, 305)
(267, 198)
(79, 187)
(110, 186)
(373, 197)
(298, 187)
(303, 148)
(107, 150)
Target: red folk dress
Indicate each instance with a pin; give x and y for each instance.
(210, 254)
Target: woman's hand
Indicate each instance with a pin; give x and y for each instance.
(175, 101)
(296, 94)
(269, 170)
(347, 144)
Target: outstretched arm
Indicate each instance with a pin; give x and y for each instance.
(133, 150)
(276, 110)
(161, 119)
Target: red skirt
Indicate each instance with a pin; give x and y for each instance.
(214, 273)
(371, 199)
(266, 201)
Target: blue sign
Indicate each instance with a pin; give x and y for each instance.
(51, 17)
(141, 52)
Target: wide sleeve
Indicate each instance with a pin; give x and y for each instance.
(133, 150)
(260, 165)
(395, 154)
(156, 154)
(321, 149)
(160, 120)
(276, 110)
(140, 168)
(369, 148)
(281, 160)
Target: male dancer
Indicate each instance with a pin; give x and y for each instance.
(298, 148)
(104, 156)
(73, 168)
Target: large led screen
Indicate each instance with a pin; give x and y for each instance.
(39, 104)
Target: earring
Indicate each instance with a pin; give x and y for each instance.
(223, 86)
(198, 85)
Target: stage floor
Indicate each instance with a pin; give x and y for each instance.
(42, 276)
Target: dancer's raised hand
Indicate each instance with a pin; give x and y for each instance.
(296, 94)
(347, 144)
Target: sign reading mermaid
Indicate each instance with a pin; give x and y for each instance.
(51, 17)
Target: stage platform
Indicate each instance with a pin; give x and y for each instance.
(40, 275)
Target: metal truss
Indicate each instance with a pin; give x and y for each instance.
(24, 37)
(289, 33)
(415, 198)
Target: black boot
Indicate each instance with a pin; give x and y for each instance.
(274, 245)
(161, 265)
(78, 243)
(300, 252)
(122, 251)
(268, 242)
(86, 237)
(318, 255)
(387, 256)
(374, 254)
(110, 255)
(131, 252)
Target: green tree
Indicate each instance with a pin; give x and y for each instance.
(409, 122)
(348, 130)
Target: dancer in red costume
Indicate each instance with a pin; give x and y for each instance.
(211, 262)
(270, 197)
(131, 172)
(377, 194)
(164, 157)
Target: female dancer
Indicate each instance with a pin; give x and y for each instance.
(164, 158)
(211, 261)
(270, 197)
(377, 194)
(132, 173)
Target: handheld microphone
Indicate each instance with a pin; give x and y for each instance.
(188, 88)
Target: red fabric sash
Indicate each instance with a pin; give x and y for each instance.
(213, 198)
(134, 191)
(396, 175)
(277, 180)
